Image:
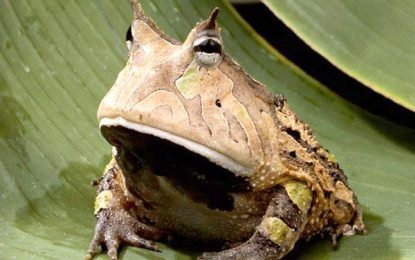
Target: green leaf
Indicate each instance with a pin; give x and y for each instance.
(57, 60)
(372, 41)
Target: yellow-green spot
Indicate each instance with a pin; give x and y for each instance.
(242, 112)
(278, 232)
(185, 84)
(102, 201)
(300, 194)
(331, 158)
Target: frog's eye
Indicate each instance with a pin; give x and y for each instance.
(207, 49)
(129, 38)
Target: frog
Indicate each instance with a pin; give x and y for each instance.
(203, 152)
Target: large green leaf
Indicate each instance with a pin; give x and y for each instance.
(59, 57)
(372, 41)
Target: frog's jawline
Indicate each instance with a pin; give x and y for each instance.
(214, 156)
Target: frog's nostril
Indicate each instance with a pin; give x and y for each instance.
(218, 103)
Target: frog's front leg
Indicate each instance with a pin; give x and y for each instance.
(280, 228)
(115, 225)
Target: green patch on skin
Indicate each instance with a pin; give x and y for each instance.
(300, 194)
(243, 113)
(102, 201)
(331, 158)
(277, 231)
(185, 84)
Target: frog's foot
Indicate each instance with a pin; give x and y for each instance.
(348, 229)
(116, 227)
(280, 228)
(345, 230)
(358, 224)
(257, 247)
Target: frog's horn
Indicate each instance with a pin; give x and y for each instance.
(138, 10)
(208, 24)
(139, 15)
(211, 21)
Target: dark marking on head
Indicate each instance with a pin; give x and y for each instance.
(294, 134)
(293, 154)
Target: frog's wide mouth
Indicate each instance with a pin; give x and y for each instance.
(216, 157)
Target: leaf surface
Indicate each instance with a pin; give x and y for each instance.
(57, 60)
(372, 41)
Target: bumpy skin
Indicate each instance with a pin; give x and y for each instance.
(209, 155)
(116, 222)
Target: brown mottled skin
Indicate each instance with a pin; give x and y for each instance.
(206, 153)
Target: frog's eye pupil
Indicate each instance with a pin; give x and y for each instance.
(209, 46)
(207, 50)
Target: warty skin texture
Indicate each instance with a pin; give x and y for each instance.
(273, 183)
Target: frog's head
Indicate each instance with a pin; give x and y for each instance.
(190, 94)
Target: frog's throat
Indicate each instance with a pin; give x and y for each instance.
(214, 156)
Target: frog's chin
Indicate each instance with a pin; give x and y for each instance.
(216, 157)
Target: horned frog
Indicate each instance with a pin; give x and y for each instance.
(204, 153)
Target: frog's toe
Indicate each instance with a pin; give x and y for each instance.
(345, 230)
(96, 241)
(358, 224)
(134, 240)
(112, 247)
(360, 227)
(117, 227)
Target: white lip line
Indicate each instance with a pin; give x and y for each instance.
(214, 156)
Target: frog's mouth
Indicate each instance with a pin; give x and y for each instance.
(189, 172)
(213, 156)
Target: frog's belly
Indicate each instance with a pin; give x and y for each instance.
(171, 209)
